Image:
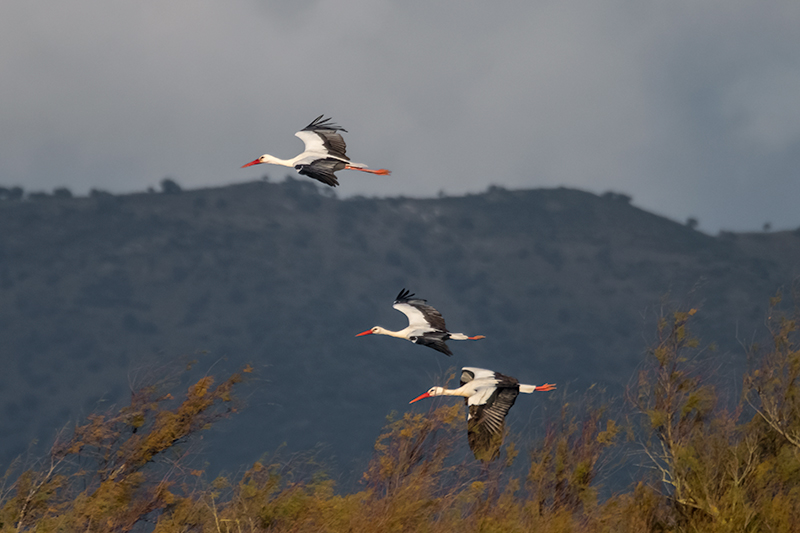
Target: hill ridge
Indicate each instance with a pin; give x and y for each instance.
(564, 283)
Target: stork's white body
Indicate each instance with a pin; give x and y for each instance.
(480, 388)
(315, 150)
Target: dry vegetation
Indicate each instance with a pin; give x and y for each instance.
(708, 464)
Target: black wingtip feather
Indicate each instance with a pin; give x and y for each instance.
(404, 294)
(321, 123)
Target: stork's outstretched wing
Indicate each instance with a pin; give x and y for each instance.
(322, 170)
(486, 422)
(419, 313)
(321, 137)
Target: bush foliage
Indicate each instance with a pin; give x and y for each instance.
(699, 462)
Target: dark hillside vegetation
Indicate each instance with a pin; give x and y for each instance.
(562, 282)
(703, 465)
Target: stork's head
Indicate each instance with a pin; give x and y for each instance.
(376, 330)
(433, 391)
(266, 158)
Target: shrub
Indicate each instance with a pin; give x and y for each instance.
(169, 186)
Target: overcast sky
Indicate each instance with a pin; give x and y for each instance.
(692, 107)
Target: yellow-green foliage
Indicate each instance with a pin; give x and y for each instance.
(710, 469)
(104, 476)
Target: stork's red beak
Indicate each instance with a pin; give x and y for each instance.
(368, 332)
(426, 395)
(251, 163)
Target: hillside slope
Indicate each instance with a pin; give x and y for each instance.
(566, 285)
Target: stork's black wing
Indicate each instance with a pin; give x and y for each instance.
(320, 123)
(322, 170)
(435, 340)
(486, 423)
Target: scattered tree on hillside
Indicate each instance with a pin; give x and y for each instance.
(11, 193)
(170, 186)
(62, 192)
(99, 193)
(617, 197)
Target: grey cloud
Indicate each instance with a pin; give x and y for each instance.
(688, 106)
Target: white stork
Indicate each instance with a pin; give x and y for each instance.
(489, 396)
(324, 154)
(425, 325)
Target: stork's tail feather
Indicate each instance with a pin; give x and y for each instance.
(462, 337)
(380, 171)
(539, 388)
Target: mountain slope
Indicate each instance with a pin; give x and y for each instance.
(95, 292)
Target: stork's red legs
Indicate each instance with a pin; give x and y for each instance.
(380, 171)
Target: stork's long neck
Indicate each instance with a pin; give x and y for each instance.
(461, 391)
(278, 161)
(383, 331)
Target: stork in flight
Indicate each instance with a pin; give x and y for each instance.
(324, 154)
(425, 325)
(489, 396)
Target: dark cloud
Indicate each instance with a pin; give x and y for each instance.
(688, 106)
